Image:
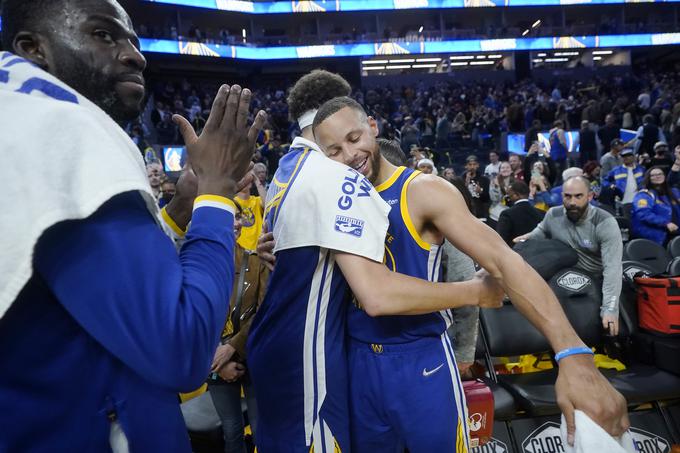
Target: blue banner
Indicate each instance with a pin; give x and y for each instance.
(405, 48)
(322, 6)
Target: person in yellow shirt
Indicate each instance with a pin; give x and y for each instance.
(252, 210)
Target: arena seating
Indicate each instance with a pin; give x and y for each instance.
(647, 252)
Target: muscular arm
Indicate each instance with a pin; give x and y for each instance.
(441, 205)
(383, 292)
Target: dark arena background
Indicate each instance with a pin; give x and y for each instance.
(507, 100)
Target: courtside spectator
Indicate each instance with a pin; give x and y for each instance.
(595, 235)
(626, 179)
(498, 186)
(656, 210)
(493, 167)
(521, 218)
(478, 185)
(612, 158)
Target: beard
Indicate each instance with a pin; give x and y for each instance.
(575, 214)
(375, 165)
(99, 88)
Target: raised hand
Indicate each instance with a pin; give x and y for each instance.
(221, 155)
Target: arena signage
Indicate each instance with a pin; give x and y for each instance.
(646, 442)
(545, 439)
(492, 446)
(405, 47)
(573, 281)
(326, 6)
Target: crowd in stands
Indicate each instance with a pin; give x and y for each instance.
(448, 124)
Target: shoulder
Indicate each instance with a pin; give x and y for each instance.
(432, 192)
(554, 213)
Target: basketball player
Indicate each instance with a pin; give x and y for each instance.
(327, 221)
(405, 388)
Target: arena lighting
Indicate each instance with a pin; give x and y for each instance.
(482, 62)
(603, 52)
(462, 57)
(323, 6)
(525, 32)
(427, 60)
(542, 54)
(597, 58)
(402, 49)
(459, 63)
(374, 62)
(566, 54)
(480, 57)
(399, 66)
(536, 24)
(373, 68)
(495, 56)
(424, 66)
(538, 60)
(556, 60)
(420, 30)
(407, 60)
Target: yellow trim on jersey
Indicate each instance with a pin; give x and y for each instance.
(292, 175)
(216, 199)
(171, 223)
(388, 183)
(394, 263)
(184, 397)
(407, 217)
(336, 448)
(460, 437)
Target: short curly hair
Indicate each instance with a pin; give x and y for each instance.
(313, 90)
(25, 15)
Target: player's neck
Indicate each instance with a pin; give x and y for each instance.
(307, 134)
(385, 170)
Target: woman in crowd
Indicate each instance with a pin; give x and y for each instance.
(497, 192)
(591, 170)
(656, 209)
(539, 187)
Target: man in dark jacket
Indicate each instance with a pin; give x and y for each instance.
(478, 185)
(522, 217)
(587, 144)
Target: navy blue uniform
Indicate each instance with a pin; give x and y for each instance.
(297, 353)
(404, 385)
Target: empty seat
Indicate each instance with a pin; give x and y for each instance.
(673, 247)
(647, 252)
(508, 333)
(673, 268)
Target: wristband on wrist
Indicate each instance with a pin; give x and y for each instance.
(572, 351)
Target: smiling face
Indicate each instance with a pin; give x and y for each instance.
(91, 46)
(505, 169)
(349, 137)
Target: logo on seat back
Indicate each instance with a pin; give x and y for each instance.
(647, 442)
(573, 281)
(492, 446)
(348, 225)
(632, 270)
(545, 439)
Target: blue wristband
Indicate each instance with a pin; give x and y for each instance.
(572, 351)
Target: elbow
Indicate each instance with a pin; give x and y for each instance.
(375, 306)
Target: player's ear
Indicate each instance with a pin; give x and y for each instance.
(373, 124)
(33, 47)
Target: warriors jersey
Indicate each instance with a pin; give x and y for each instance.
(296, 348)
(406, 253)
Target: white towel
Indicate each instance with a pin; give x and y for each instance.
(329, 205)
(590, 437)
(62, 158)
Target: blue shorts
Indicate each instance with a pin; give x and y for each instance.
(406, 396)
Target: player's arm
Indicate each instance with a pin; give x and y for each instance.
(383, 292)
(579, 385)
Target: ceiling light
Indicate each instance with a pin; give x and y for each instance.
(374, 61)
(525, 32)
(424, 66)
(536, 24)
(427, 60)
(603, 52)
(408, 60)
(462, 57)
(482, 62)
(399, 66)
(373, 68)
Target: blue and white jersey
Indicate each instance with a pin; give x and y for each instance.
(406, 253)
(296, 346)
